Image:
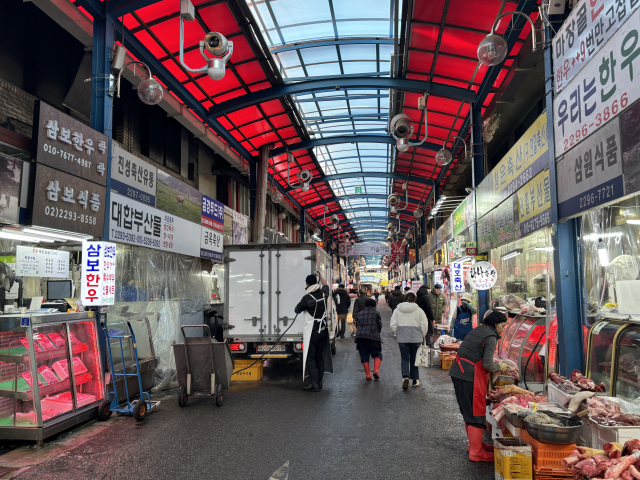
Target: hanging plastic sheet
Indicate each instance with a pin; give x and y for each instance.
(169, 289)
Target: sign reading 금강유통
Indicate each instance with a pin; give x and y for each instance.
(591, 173)
(212, 214)
(606, 86)
(132, 177)
(98, 282)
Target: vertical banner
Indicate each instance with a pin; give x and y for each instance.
(212, 214)
(240, 235)
(457, 281)
(98, 282)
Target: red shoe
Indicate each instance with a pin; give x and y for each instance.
(367, 370)
(466, 429)
(376, 368)
(476, 451)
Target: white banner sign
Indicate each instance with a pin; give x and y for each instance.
(41, 262)
(211, 243)
(138, 224)
(603, 88)
(98, 282)
(482, 276)
(132, 177)
(584, 32)
(457, 279)
(415, 286)
(370, 248)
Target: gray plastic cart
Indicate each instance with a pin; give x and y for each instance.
(203, 366)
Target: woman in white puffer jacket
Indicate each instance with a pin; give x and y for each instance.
(411, 325)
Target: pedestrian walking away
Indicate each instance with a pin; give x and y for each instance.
(438, 302)
(424, 302)
(409, 323)
(358, 303)
(463, 322)
(343, 302)
(316, 347)
(396, 298)
(376, 294)
(369, 324)
(470, 376)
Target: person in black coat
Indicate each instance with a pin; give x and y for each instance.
(343, 301)
(424, 302)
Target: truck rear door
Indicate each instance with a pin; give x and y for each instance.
(289, 267)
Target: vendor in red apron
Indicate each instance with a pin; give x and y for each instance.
(470, 375)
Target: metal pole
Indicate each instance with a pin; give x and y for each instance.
(565, 250)
(101, 95)
(261, 194)
(302, 225)
(478, 175)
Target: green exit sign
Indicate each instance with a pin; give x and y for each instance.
(358, 190)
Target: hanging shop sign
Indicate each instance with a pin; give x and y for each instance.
(459, 218)
(138, 224)
(240, 234)
(66, 144)
(412, 256)
(447, 229)
(211, 243)
(10, 176)
(178, 198)
(415, 286)
(397, 248)
(630, 133)
(366, 248)
(482, 276)
(471, 249)
(132, 177)
(41, 262)
(591, 173)
(603, 88)
(588, 27)
(485, 232)
(457, 281)
(212, 214)
(437, 277)
(98, 282)
(504, 223)
(65, 202)
(534, 204)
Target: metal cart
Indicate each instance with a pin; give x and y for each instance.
(138, 409)
(203, 365)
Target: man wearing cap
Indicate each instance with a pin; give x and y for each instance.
(438, 302)
(463, 322)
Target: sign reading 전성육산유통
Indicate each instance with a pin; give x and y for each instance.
(98, 282)
(606, 86)
(132, 177)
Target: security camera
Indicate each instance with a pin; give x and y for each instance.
(393, 200)
(401, 126)
(305, 177)
(215, 44)
(334, 218)
(347, 236)
(317, 232)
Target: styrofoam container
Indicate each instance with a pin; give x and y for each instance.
(601, 434)
(554, 394)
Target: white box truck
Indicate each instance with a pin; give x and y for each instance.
(264, 283)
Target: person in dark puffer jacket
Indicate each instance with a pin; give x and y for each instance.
(424, 302)
(342, 308)
(396, 298)
(369, 324)
(358, 304)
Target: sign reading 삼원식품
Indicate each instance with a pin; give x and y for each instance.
(606, 86)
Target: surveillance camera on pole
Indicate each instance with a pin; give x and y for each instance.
(401, 128)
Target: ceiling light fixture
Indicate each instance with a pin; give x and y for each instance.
(20, 237)
(444, 155)
(493, 49)
(512, 254)
(149, 90)
(57, 234)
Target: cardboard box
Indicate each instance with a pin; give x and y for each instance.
(512, 459)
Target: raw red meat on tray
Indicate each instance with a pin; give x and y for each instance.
(25, 342)
(64, 402)
(57, 339)
(27, 378)
(614, 462)
(43, 341)
(48, 374)
(62, 368)
(576, 383)
(74, 340)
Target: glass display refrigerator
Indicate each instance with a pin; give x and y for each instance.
(522, 341)
(50, 373)
(613, 356)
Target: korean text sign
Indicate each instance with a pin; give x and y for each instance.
(212, 214)
(591, 173)
(457, 280)
(98, 282)
(41, 262)
(69, 145)
(132, 177)
(606, 86)
(534, 204)
(138, 224)
(588, 27)
(211, 244)
(482, 276)
(65, 202)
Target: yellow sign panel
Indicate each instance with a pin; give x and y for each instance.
(535, 197)
(529, 148)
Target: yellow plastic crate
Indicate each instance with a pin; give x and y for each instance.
(250, 374)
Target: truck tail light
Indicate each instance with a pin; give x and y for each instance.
(299, 346)
(237, 347)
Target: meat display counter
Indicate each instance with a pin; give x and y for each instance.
(613, 356)
(521, 341)
(60, 351)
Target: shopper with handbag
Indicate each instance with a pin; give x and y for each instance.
(410, 324)
(369, 324)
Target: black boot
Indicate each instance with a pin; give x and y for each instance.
(315, 384)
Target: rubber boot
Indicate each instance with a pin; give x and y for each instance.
(376, 368)
(367, 370)
(466, 429)
(476, 452)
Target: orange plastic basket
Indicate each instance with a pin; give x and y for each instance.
(547, 457)
(447, 361)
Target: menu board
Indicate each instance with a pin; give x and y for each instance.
(41, 262)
